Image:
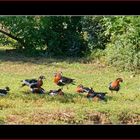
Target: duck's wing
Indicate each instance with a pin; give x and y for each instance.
(32, 81)
(3, 92)
(28, 81)
(53, 92)
(42, 90)
(25, 83)
(61, 83)
(67, 80)
(91, 95)
(101, 95)
(33, 85)
(86, 89)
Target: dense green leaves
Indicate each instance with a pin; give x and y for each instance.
(123, 50)
(95, 29)
(52, 35)
(116, 38)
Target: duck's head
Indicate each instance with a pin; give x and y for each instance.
(7, 88)
(80, 89)
(58, 74)
(42, 77)
(50, 91)
(80, 86)
(59, 90)
(119, 80)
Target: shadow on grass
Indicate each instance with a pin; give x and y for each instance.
(109, 98)
(14, 55)
(67, 98)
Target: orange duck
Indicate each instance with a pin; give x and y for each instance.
(62, 80)
(115, 85)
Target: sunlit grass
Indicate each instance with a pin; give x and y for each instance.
(22, 107)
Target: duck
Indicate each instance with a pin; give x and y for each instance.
(38, 90)
(56, 92)
(97, 95)
(4, 91)
(81, 89)
(33, 83)
(91, 94)
(115, 85)
(62, 80)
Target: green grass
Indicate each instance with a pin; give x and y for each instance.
(22, 107)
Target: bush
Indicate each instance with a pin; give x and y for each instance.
(123, 54)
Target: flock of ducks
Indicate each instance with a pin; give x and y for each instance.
(35, 86)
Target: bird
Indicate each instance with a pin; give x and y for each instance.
(33, 83)
(81, 89)
(96, 96)
(115, 85)
(56, 92)
(38, 90)
(91, 93)
(4, 91)
(62, 80)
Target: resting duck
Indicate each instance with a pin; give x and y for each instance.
(115, 85)
(56, 92)
(4, 91)
(38, 90)
(33, 83)
(91, 93)
(96, 96)
(82, 89)
(61, 80)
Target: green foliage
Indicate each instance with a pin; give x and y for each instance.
(123, 50)
(57, 36)
(63, 35)
(94, 28)
(123, 56)
(26, 30)
(112, 38)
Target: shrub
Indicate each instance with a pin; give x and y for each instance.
(123, 54)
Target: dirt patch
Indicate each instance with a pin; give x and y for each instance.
(130, 119)
(15, 119)
(69, 118)
(97, 118)
(47, 118)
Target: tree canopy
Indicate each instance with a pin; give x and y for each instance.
(117, 38)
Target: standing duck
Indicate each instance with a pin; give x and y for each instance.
(56, 92)
(115, 85)
(33, 83)
(61, 80)
(4, 91)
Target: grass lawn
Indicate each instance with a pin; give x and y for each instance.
(22, 107)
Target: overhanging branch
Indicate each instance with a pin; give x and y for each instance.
(12, 36)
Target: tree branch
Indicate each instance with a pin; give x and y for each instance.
(12, 36)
